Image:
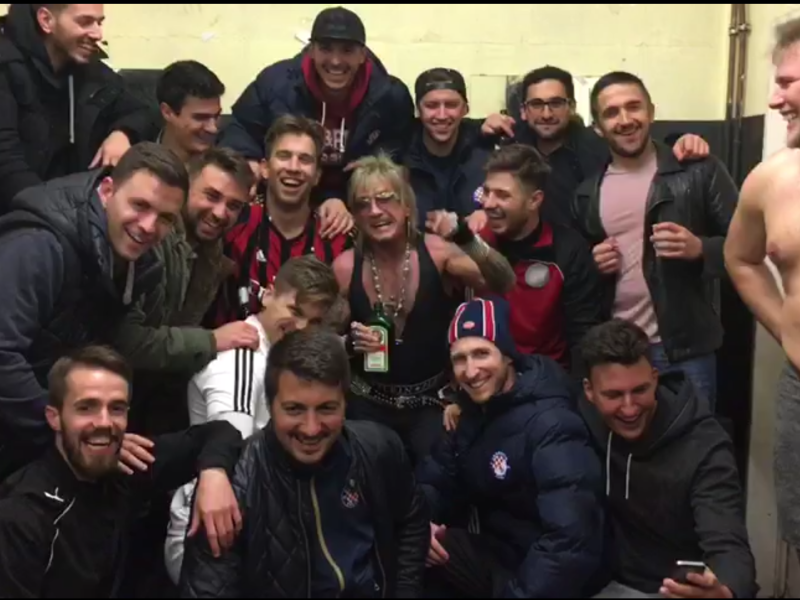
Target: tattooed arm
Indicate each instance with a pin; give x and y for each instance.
(466, 258)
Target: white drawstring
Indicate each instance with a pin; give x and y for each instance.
(324, 112)
(341, 137)
(127, 297)
(608, 471)
(608, 465)
(628, 478)
(71, 110)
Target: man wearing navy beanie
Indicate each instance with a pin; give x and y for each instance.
(522, 456)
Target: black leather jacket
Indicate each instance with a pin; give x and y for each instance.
(271, 558)
(701, 196)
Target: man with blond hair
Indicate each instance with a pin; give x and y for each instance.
(419, 279)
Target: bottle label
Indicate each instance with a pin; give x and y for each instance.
(378, 362)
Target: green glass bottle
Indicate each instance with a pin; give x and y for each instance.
(378, 362)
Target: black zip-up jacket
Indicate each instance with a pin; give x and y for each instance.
(58, 293)
(63, 538)
(465, 184)
(700, 196)
(675, 494)
(271, 558)
(52, 125)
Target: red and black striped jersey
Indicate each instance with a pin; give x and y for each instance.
(259, 250)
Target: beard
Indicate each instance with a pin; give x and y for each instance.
(86, 465)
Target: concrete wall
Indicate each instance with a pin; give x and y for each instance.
(679, 50)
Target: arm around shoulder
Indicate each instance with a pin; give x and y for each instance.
(183, 455)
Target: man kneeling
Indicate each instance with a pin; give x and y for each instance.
(673, 489)
(523, 457)
(330, 509)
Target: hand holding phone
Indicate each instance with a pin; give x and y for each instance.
(693, 579)
(684, 567)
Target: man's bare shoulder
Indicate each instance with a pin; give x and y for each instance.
(774, 173)
(343, 267)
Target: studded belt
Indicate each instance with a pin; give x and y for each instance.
(430, 392)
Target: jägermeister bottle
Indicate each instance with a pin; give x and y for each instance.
(378, 362)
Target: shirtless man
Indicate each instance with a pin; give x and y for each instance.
(420, 279)
(766, 223)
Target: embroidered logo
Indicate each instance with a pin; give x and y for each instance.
(469, 325)
(500, 465)
(537, 276)
(373, 137)
(350, 497)
(477, 196)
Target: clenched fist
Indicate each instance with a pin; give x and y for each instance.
(607, 257)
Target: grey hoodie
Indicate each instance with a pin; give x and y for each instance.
(674, 495)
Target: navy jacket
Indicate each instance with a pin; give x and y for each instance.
(525, 461)
(465, 179)
(382, 121)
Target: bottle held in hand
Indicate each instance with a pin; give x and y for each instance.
(378, 362)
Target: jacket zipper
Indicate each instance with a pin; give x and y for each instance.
(321, 538)
(305, 534)
(377, 552)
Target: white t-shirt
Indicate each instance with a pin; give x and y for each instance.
(230, 388)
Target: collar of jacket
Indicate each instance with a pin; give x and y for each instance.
(574, 139)
(295, 470)
(469, 138)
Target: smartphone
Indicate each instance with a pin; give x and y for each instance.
(684, 567)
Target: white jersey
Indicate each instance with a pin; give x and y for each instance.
(230, 388)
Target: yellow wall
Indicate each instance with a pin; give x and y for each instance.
(679, 50)
(762, 18)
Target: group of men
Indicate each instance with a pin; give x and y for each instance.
(171, 288)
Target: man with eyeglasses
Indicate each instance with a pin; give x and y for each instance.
(575, 152)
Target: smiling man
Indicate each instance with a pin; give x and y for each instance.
(338, 82)
(62, 110)
(330, 509)
(672, 488)
(554, 301)
(65, 519)
(657, 227)
(75, 256)
(282, 224)
(447, 152)
(190, 98)
(231, 388)
(523, 458)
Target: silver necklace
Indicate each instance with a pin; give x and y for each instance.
(395, 303)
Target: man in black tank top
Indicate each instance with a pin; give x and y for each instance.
(419, 279)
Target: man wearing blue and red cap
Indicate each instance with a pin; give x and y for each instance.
(522, 457)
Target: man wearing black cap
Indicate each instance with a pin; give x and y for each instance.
(337, 81)
(447, 151)
(523, 457)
